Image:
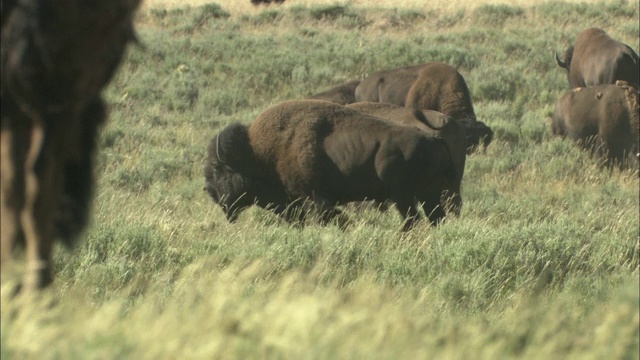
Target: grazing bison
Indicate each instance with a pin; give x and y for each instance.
(474, 130)
(602, 118)
(342, 94)
(330, 155)
(57, 56)
(426, 120)
(431, 86)
(597, 59)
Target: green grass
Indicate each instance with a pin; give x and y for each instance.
(542, 263)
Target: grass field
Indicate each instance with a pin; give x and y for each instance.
(542, 263)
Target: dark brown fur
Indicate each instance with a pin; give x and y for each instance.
(597, 59)
(388, 86)
(341, 94)
(602, 118)
(57, 56)
(432, 86)
(330, 155)
(432, 122)
(474, 130)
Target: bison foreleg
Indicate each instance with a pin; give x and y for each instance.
(410, 214)
(293, 213)
(40, 202)
(13, 143)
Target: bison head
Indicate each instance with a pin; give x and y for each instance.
(228, 171)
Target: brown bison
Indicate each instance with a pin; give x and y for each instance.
(431, 86)
(341, 94)
(57, 56)
(423, 119)
(603, 118)
(597, 59)
(388, 86)
(328, 155)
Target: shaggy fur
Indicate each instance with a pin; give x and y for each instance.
(602, 118)
(342, 94)
(328, 154)
(431, 86)
(57, 56)
(597, 59)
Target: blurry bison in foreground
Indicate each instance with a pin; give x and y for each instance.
(602, 118)
(57, 56)
(316, 154)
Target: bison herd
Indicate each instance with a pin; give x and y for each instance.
(398, 136)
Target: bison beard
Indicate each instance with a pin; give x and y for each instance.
(57, 56)
(314, 154)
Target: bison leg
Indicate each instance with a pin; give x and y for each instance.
(42, 182)
(327, 211)
(293, 213)
(434, 211)
(13, 144)
(409, 213)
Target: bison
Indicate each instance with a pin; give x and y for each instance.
(388, 86)
(597, 59)
(603, 118)
(329, 155)
(57, 56)
(431, 86)
(341, 94)
(423, 119)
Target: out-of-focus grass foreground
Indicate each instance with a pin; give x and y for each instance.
(542, 263)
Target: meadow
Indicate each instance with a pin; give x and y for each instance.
(542, 263)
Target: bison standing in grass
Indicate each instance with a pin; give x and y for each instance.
(57, 56)
(597, 59)
(431, 86)
(309, 153)
(603, 118)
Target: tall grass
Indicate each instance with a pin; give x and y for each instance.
(542, 263)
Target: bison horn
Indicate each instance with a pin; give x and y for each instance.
(560, 63)
(218, 148)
